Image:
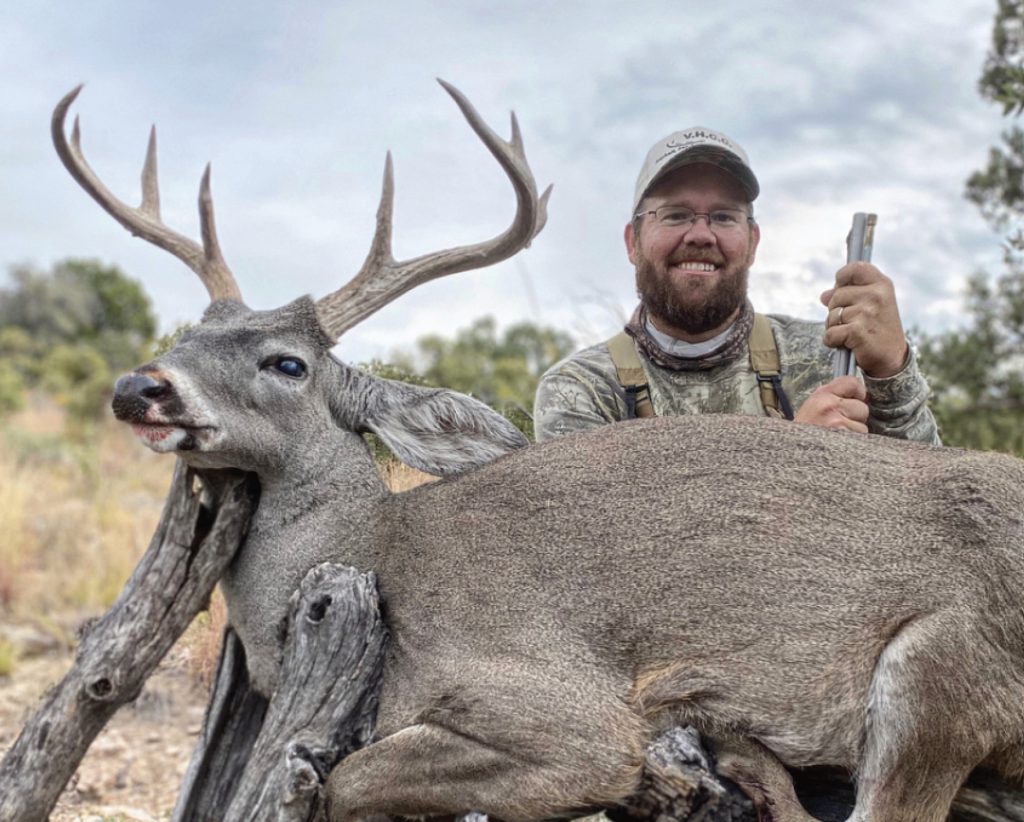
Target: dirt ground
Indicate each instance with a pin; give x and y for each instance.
(134, 767)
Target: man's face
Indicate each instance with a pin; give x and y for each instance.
(693, 280)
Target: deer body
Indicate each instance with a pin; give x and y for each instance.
(712, 571)
(801, 596)
(713, 582)
(564, 603)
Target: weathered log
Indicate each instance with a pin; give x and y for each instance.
(679, 783)
(231, 725)
(253, 761)
(197, 536)
(986, 798)
(325, 705)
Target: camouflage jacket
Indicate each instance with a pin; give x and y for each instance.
(583, 390)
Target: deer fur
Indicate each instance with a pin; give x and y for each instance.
(799, 595)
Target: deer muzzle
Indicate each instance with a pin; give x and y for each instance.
(136, 394)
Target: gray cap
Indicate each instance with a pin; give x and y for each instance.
(695, 145)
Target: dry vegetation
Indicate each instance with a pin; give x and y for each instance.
(75, 513)
(77, 509)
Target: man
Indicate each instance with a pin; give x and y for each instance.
(695, 345)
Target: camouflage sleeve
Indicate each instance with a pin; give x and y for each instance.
(578, 394)
(899, 405)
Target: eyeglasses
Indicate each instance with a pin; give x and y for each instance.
(720, 221)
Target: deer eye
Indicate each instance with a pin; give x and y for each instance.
(290, 366)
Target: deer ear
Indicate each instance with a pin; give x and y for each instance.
(435, 430)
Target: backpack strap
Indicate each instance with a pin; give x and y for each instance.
(764, 360)
(631, 376)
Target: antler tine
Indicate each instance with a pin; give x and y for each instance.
(382, 280)
(144, 221)
(218, 277)
(150, 180)
(380, 248)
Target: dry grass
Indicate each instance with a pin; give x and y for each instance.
(8, 657)
(202, 640)
(400, 477)
(75, 513)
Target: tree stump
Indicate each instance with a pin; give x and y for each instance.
(324, 708)
(330, 679)
(679, 783)
(231, 725)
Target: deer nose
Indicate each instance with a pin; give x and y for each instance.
(135, 393)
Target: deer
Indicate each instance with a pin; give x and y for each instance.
(801, 596)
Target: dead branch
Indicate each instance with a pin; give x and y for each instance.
(330, 678)
(198, 535)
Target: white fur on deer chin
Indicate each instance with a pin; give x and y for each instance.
(165, 438)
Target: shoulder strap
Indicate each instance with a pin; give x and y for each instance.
(764, 359)
(631, 376)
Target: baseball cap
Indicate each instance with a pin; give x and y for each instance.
(695, 145)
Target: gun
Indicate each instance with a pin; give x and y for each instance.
(858, 247)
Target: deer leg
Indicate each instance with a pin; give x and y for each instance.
(761, 776)
(427, 769)
(929, 722)
(905, 786)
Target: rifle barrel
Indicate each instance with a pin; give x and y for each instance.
(859, 243)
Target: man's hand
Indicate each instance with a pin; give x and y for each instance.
(841, 403)
(863, 316)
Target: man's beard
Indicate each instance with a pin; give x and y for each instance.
(693, 304)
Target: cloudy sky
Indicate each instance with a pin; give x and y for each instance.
(866, 106)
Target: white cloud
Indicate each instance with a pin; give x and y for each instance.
(841, 109)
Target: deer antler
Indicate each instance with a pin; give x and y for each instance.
(382, 279)
(144, 221)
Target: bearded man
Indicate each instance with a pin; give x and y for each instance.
(694, 345)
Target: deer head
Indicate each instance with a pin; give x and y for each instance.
(251, 389)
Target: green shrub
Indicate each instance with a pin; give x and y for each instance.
(80, 380)
(12, 390)
(166, 342)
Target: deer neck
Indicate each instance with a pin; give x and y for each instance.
(335, 489)
(330, 511)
